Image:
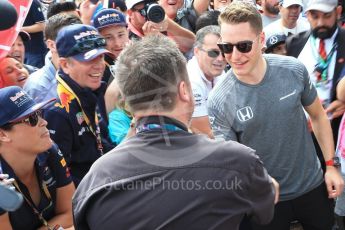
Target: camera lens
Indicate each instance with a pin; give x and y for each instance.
(155, 12)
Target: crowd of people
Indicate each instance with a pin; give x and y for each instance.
(171, 114)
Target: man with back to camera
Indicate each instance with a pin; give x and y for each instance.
(170, 170)
(78, 121)
(261, 103)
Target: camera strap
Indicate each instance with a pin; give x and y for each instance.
(32, 206)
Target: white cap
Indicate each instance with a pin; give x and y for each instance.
(131, 3)
(287, 3)
(325, 6)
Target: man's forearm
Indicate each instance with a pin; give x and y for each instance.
(38, 27)
(183, 37)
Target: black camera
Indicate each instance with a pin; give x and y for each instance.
(153, 12)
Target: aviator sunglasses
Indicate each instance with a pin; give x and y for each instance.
(243, 46)
(31, 119)
(211, 53)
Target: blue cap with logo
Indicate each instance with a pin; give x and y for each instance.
(81, 42)
(15, 103)
(109, 17)
(273, 41)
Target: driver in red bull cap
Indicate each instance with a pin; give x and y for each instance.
(78, 121)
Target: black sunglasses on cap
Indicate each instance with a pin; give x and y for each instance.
(211, 53)
(243, 46)
(87, 45)
(31, 119)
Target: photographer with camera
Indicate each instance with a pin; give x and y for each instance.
(147, 17)
(185, 13)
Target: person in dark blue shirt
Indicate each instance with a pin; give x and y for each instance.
(35, 49)
(78, 121)
(28, 155)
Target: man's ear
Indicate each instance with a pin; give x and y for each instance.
(196, 51)
(64, 65)
(184, 92)
(339, 10)
(262, 38)
(51, 45)
(4, 136)
(129, 12)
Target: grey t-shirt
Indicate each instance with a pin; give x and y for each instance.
(269, 118)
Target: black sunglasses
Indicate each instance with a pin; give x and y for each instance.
(211, 53)
(86, 45)
(142, 11)
(243, 46)
(31, 119)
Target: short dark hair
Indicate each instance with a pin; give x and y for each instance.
(207, 18)
(242, 12)
(148, 73)
(58, 21)
(60, 7)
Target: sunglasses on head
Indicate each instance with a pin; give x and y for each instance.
(86, 45)
(243, 46)
(31, 119)
(211, 53)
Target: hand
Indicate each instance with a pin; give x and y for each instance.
(334, 182)
(87, 9)
(276, 187)
(155, 28)
(5, 181)
(336, 108)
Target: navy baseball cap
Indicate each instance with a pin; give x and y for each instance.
(15, 103)
(273, 41)
(81, 42)
(108, 17)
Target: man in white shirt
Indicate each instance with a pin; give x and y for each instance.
(204, 71)
(290, 21)
(270, 11)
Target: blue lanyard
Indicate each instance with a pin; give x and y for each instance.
(150, 127)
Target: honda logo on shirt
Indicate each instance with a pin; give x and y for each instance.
(245, 114)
